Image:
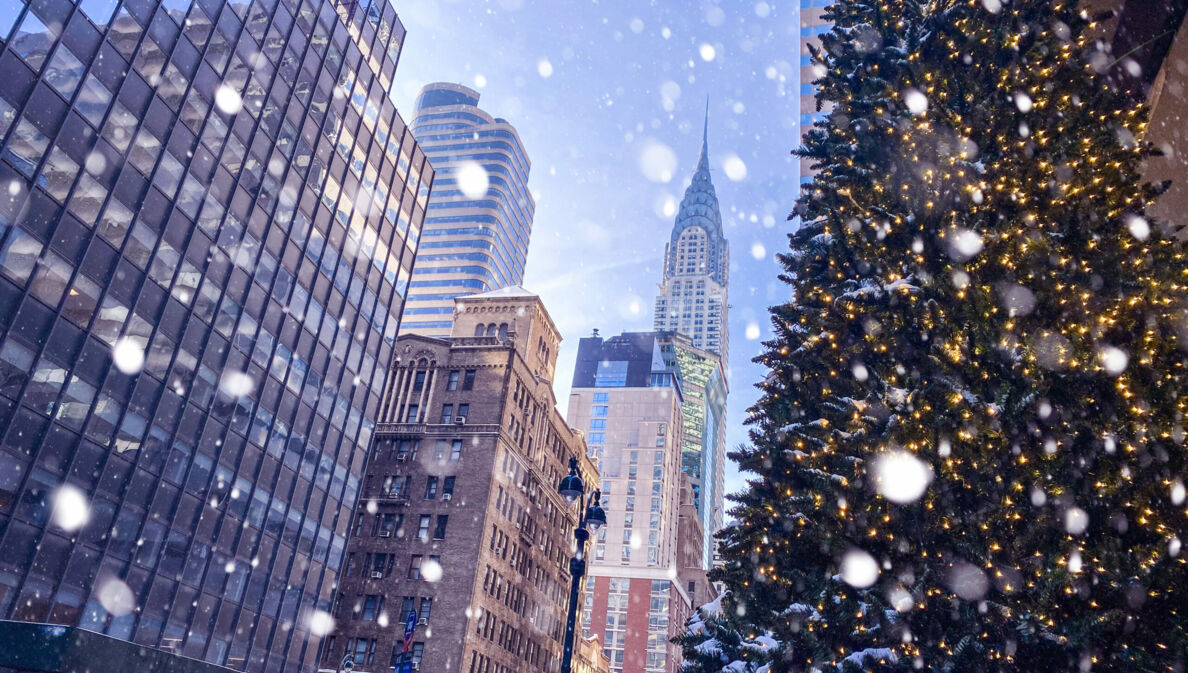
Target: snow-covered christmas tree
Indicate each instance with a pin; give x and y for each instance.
(969, 453)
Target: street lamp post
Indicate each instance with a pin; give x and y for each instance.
(590, 514)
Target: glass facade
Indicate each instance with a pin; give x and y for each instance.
(220, 194)
(703, 436)
(480, 217)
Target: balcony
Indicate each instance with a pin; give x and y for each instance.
(391, 498)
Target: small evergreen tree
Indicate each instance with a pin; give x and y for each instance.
(716, 641)
(969, 448)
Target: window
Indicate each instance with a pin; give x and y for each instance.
(447, 412)
(431, 488)
(384, 525)
(440, 530)
(601, 397)
(32, 41)
(447, 487)
(426, 608)
(406, 607)
(597, 437)
(456, 450)
(372, 606)
(65, 71)
(452, 383)
(468, 380)
(418, 649)
(598, 410)
(423, 528)
(364, 651)
(597, 423)
(463, 410)
(611, 373)
(413, 417)
(414, 567)
(26, 146)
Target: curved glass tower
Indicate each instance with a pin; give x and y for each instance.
(480, 214)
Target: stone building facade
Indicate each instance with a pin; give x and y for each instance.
(459, 517)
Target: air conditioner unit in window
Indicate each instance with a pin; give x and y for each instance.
(459, 420)
(447, 496)
(416, 665)
(423, 622)
(385, 533)
(401, 458)
(377, 575)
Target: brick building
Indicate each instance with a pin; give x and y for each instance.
(459, 516)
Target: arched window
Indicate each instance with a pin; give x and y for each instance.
(479, 329)
(491, 329)
(503, 330)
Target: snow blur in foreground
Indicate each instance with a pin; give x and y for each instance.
(901, 477)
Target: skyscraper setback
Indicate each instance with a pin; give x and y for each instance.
(480, 217)
(221, 194)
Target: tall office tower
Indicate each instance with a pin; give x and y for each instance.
(220, 194)
(693, 292)
(460, 519)
(480, 216)
(628, 399)
(812, 25)
(693, 302)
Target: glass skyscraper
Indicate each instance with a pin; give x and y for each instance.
(220, 195)
(480, 216)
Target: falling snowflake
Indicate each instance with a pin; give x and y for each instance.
(116, 597)
(320, 623)
(236, 384)
(657, 161)
(964, 245)
(901, 477)
(1138, 227)
(859, 569)
(431, 571)
(71, 508)
(1076, 520)
(127, 356)
(734, 167)
(916, 101)
(473, 179)
(228, 99)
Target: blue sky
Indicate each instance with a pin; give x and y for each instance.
(608, 98)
